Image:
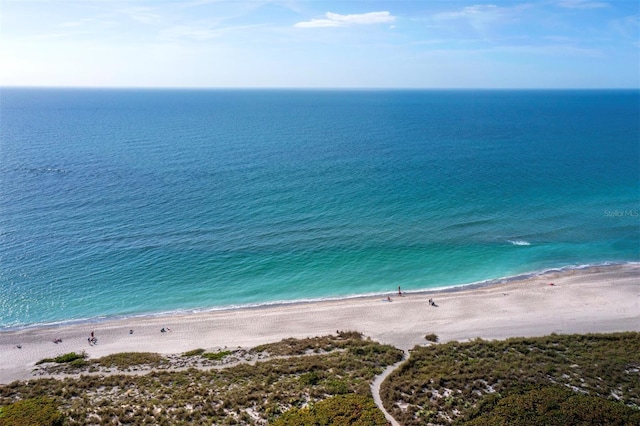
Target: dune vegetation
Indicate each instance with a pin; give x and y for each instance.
(460, 383)
(553, 380)
(291, 374)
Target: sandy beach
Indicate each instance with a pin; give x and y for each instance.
(598, 299)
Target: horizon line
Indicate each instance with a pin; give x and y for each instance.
(328, 88)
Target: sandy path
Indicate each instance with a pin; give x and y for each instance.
(375, 389)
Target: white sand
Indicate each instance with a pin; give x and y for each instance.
(598, 300)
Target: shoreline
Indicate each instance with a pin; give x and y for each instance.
(593, 299)
(96, 321)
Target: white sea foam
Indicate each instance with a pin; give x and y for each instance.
(520, 242)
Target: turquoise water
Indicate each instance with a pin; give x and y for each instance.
(128, 202)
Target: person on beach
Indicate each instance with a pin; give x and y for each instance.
(388, 299)
(399, 291)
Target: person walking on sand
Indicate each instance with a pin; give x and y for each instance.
(399, 291)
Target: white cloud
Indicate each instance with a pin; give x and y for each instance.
(338, 20)
(558, 50)
(200, 33)
(627, 26)
(582, 4)
(484, 17)
(480, 17)
(190, 32)
(469, 12)
(318, 23)
(144, 15)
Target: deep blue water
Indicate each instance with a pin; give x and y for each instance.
(123, 202)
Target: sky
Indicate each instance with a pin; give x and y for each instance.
(320, 44)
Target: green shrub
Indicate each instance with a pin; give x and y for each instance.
(431, 337)
(66, 358)
(195, 352)
(554, 405)
(342, 410)
(31, 412)
(215, 356)
(128, 359)
(79, 363)
(311, 378)
(337, 387)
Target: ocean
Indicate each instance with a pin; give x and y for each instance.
(122, 202)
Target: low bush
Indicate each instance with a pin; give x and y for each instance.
(342, 410)
(65, 358)
(431, 337)
(553, 405)
(31, 412)
(195, 352)
(215, 356)
(125, 360)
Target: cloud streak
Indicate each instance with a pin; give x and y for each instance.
(338, 20)
(582, 4)
(481, 17)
